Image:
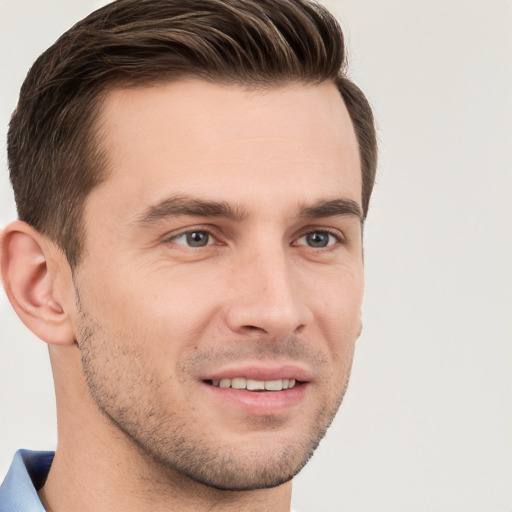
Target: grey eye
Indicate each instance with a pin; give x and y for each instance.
(197, 238)
(193, 239)
(317, 239)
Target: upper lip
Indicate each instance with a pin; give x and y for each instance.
(262, 372)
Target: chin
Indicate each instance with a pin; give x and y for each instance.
(262, 463)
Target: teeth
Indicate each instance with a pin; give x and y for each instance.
(255, 385)
(274, 385)
(239, 383)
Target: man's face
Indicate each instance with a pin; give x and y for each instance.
(223, 256)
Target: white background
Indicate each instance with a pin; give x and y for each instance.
(426, 424)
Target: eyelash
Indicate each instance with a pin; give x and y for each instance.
(207, 231)
(339, 238)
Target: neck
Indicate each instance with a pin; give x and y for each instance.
(99, 468)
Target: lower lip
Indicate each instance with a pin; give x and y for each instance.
(261, 403)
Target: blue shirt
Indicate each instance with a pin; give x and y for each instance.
(27, 474)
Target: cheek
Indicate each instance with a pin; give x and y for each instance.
(167, 314)
(337, 311)
(338, 298)
(136, 294)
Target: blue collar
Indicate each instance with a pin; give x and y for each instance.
(26, 476)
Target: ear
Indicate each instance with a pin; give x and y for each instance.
(35, 275)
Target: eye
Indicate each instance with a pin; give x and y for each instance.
(318, 239)
(195, 238)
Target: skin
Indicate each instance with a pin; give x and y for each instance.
(146, 321)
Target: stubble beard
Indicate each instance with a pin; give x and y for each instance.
(172, 441)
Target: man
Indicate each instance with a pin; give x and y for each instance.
(191, 181)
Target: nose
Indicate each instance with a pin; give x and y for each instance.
(266, 296)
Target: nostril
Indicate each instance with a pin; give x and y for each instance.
(261, 317)
(254, 328)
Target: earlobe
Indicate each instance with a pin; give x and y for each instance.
(31, 266)
(360, 331)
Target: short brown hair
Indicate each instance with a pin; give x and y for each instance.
(55, 159)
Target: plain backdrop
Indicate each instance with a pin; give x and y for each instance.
(426, 423)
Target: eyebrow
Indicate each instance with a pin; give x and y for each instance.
(333, 208)
(178, 205)
(185, 205)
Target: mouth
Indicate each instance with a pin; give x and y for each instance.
(244, 383)
(259, 390)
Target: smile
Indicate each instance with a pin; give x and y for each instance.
(254, 385)
(259, 390)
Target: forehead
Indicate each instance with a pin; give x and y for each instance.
(198, 138)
